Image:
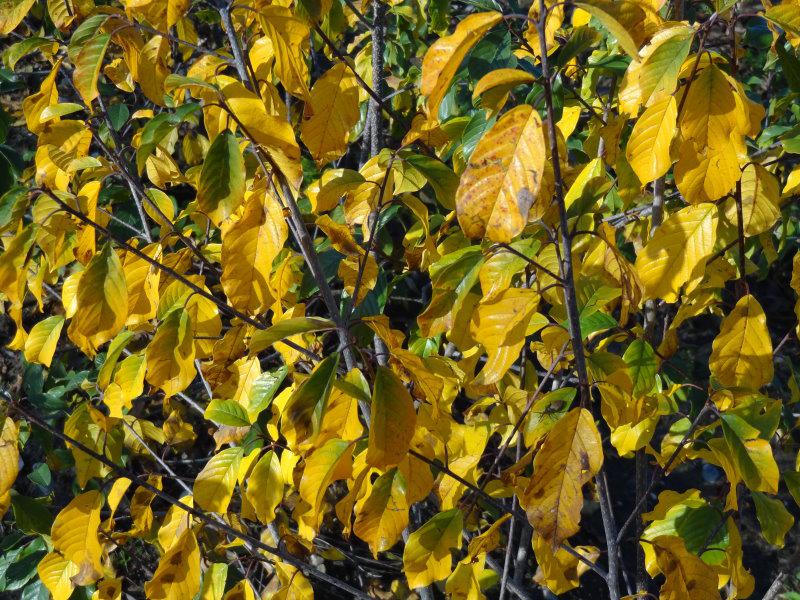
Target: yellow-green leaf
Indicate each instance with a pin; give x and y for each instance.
(426, 557)
(331, 462)
(571, 455)
(43, 339)
(214, 485)
(741, 355)
(503, 177)
(221, 186)
(773, 517)
(87, 66)
(102, 302)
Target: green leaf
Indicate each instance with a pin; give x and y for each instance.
(87, 67)
(773, 517)
(222, 178)
(31, 514)
(306, 406)
(227, 412)
(642, 366)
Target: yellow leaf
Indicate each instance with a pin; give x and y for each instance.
(560, 570)
(677, 252)
(108, 589)
(93, 429)
(11, 14)
(426, 557)
(241, 591)
(151, 68)
(43, 339)
(686, 575)
(220, 189)
(742, 582)
(249, 247)
(75, 536)
(102, 302)
(741, 355)
(501, 181)
(142, 279)
(9, 455)
(351, 273)
(383, 514)
(331, 114)
(332, 462)
(265, 487)
(648, 147)
(213, 487)
(87, 66)
(56, 572)
(445, 55)
(710, 112)
(393, 420)
(501, 324)
(760, 200)
(707, 174)
(619, 18)
(290, 42)
(570, 456)
(170, 354)
(178, 574)
(465, 581)
(494, 87)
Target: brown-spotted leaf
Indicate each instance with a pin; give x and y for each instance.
(571, 455)
(503, 177)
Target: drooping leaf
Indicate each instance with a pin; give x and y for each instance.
(393, 420)
(741, 355)
(221, 186)
(503, 177)
(677, 252)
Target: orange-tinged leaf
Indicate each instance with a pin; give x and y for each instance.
(571, 455)
(687, 576)
(502, 180)
(178, 574)
(332, 114)
(445, 55)
(393, 420)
